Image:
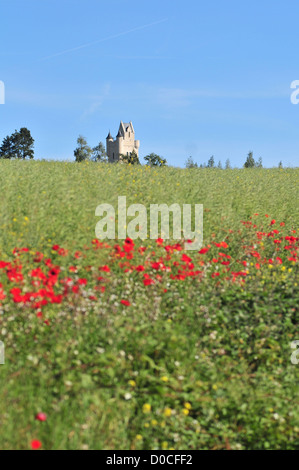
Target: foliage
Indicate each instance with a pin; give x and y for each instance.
(259, 163)
(99, 153)
(190, 163)
(19, 145)
(83, 152)
(227, 164)
(250, 162)
(155, 160)
(211, 162)
(7, 148)
(132, 158)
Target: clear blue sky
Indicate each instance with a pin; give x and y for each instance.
(195, 77)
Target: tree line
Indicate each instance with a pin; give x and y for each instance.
(250, 162)
(20, 145)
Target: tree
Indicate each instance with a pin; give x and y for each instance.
(132, 158)
(280, 164)
(211, 162)
(6, 149)
(99, 153)
(219, 165)
(227, 165)
(250, 162)
(155, 160)
(23, 144)
(83, 151)
(259, 163)
(19, 145)
(190, 163)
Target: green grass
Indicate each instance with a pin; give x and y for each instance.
(199, 363)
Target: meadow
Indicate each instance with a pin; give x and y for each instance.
(125, 344)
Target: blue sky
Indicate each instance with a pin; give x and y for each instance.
(196, 78)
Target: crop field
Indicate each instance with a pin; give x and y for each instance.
(131, 344)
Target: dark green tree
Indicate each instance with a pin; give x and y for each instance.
(250, 162)
(83, 151)
(155, 160)
(99, 153)
(219, 165)
(6, 149)
(131, 158)
(211, 162)
(23, 144)
(19, 145)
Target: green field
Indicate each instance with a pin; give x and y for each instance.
(197, 357)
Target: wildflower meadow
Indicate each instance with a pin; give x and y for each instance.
(140, 344)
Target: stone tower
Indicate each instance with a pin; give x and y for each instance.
(124, 144)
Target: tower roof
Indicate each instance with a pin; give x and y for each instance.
(109, 136)
(126, 127)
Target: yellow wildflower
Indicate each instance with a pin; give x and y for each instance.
(146, 408)
(167, 412)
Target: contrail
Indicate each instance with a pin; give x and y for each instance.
(104, 39)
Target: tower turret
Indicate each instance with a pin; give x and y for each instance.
(109, 136)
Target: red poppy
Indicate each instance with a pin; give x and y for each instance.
(106, 269)
(41, 417)
(35, 445)
(155, 265)
(128, 245)
(148, 282)
(140, 268)
(186, 259)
